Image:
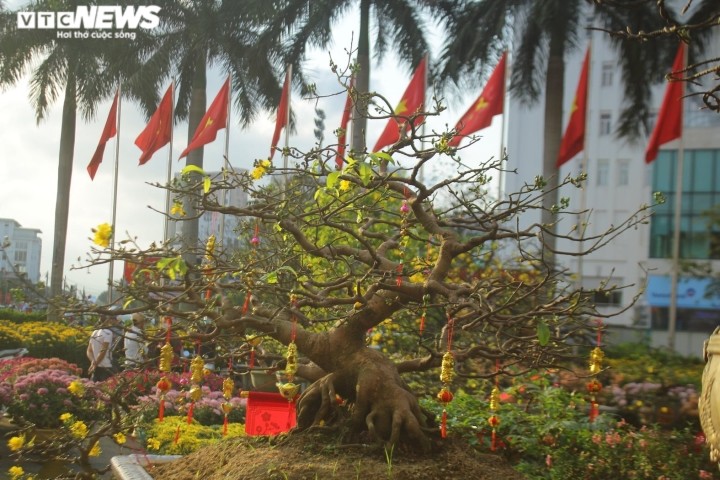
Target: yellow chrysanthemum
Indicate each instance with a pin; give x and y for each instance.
(79, 429)
(76, 388)
(119, 438)
(66, 417)
(95, 451)
(153, 444)
(177, 210)
(16, 472)
(345, 185)
(16, 443)
(260, 169)
(103, 233)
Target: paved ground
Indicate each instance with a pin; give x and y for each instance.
(53, 469)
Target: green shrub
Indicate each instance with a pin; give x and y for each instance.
(546, 433)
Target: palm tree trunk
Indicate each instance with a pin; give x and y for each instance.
(62, 200)
(553, 133)
(362, 81)
(196, 112)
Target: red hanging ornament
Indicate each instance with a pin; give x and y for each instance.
(177, 436)
(398, 273)
(190, 411)
(443, 424)
(422, 323)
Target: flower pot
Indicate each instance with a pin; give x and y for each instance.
(263, 381)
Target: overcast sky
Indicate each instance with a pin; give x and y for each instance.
(28, 164)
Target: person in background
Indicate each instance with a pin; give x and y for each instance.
(99, 350)
(134, 342)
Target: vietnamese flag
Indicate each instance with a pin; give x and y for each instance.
(670, 119)
(214, 119)
(412, 101)
(489, 103)
(343, 127)
(108, 132)
(573, 141)
(158, 131)
(282, 114)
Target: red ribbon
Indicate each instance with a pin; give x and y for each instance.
(190, 412)
(443, 424)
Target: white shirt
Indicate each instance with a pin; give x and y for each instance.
(134, 346)
(98, 339)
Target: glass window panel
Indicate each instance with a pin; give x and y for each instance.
(664, 173)
(701, 162)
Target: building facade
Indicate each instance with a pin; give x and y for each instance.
(214, 223)
(19, 256)
(618, 183)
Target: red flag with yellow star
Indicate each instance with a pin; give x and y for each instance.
(488, 104)
(108, 132)
(215, 119)
(573, 141)
(412, 101)
(670, 119)
(158, 130)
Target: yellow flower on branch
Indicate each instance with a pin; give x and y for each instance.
(260, 169)
(16, 472)
(103, 233)
(345, 185)
(16, 443)
(177, 210)
(119, 438)
(66, 417)
(79, 429)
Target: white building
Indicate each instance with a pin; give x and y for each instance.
(19, 256)
(619, 182)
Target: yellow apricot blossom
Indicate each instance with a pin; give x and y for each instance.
(260, 169)
(177, 210)
(16, 443)
(95, 451)
(103, 233)
(119, 438)
(16, 472)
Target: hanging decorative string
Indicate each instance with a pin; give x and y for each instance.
(290, 389)
(165, 364)
(208, 269)
(426, 300)
(494, 406)
(254, 241)
(228, 387)
(447, 373)
(197, 374)
(594, 386)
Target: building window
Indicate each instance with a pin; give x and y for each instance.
(607, 299)
(605, 124)
(608, 69)
(20, 256)
(699, 236)
(603, 172)
(623, 172)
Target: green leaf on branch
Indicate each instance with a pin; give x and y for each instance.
(332, 179)
(543, 333)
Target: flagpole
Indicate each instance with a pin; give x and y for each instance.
(115, 189)
(675, 266)
(584, 162)
(287, 124)
(501, 174)
(424, 124)
(169, 165)
(226, 161)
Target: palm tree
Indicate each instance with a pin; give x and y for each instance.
(84, 71)
(542, 33)
(398, 24)
(194, 35)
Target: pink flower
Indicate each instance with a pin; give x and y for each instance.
(548, 461)
(596, 438)
(704, 474)
(42, 391)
